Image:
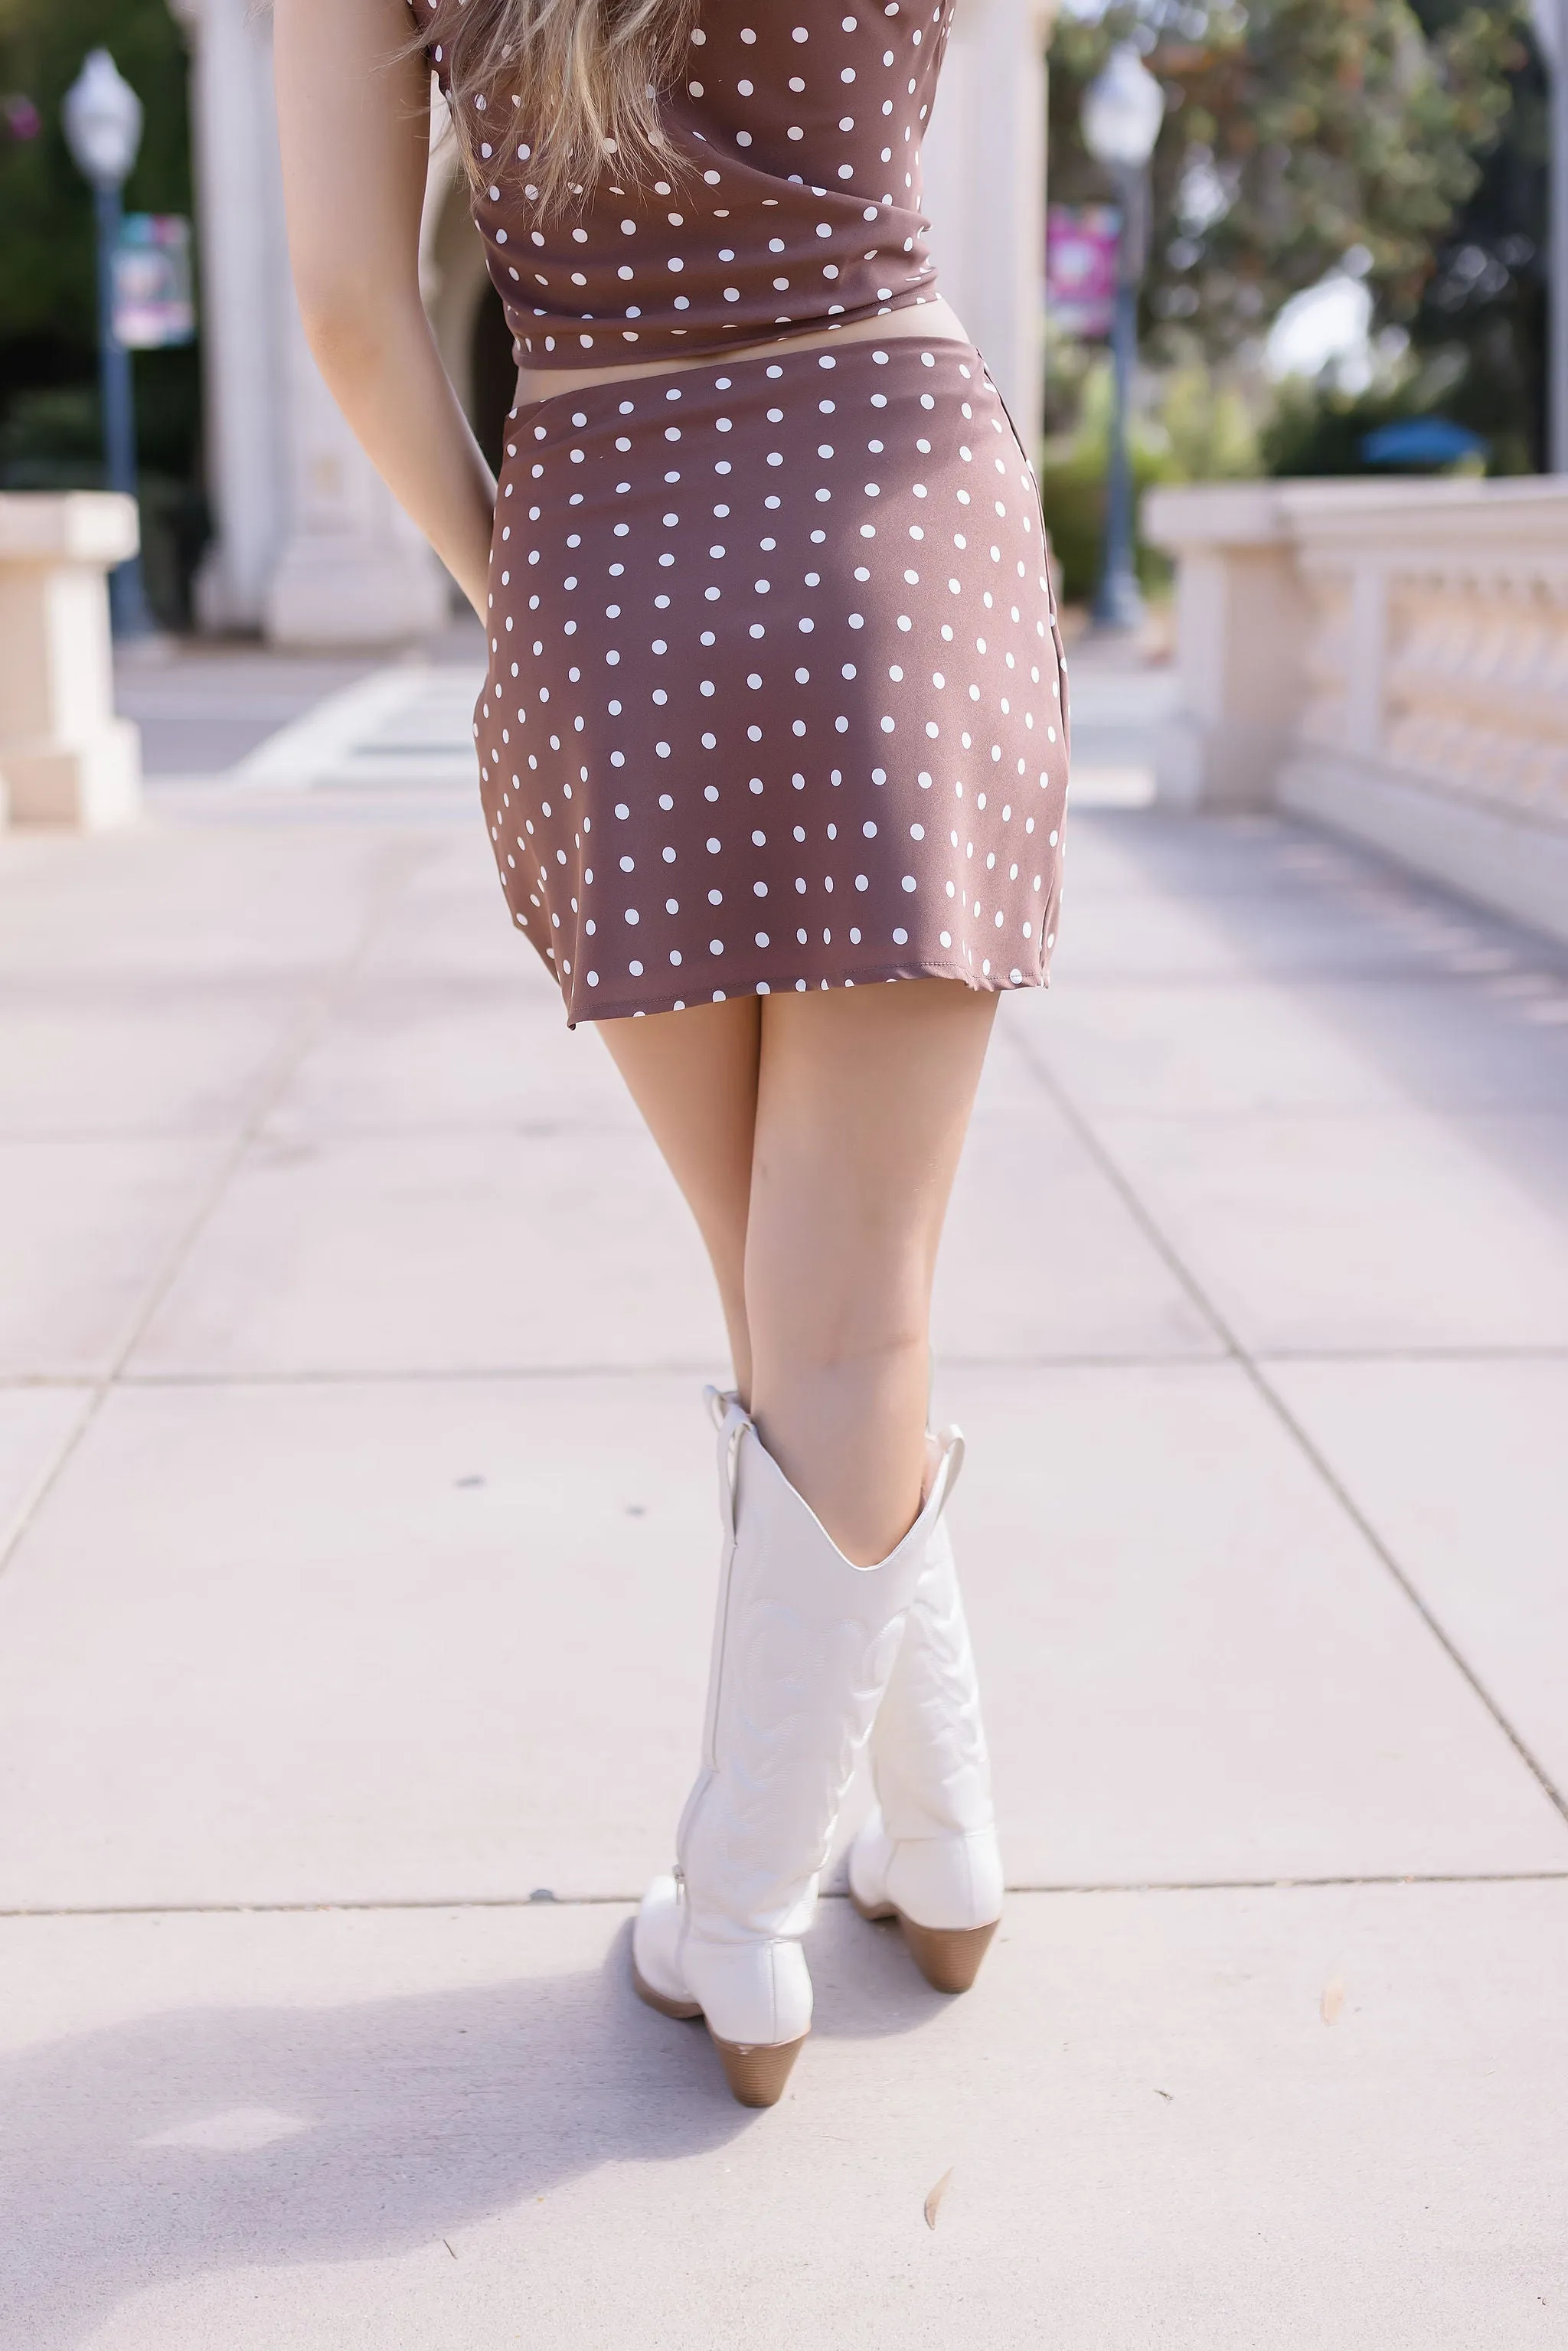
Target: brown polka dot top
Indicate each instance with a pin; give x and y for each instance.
(802, 124)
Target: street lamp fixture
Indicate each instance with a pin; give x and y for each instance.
(103, 130)
(1122, 111)
(1120, 117)
(103, 122)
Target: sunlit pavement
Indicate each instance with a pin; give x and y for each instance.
(358, 1493)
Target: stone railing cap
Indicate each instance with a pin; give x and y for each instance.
(96, 527)
(1450, 515)
(1195, 515)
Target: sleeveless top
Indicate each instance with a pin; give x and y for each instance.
(799, 124)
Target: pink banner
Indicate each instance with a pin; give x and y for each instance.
(1080, 267)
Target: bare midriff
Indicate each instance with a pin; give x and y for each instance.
(933, 321)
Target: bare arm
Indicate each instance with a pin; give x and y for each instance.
(354, 121)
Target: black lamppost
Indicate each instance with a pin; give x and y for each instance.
(103, 131)
(1121, 116)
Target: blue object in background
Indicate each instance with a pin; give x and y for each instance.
(1423, 441)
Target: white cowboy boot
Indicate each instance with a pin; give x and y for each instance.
(803, 1645)
(927, 1853)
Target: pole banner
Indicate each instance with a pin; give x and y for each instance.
(154, 302)
(1081, 243)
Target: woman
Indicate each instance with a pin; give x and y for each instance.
(773, 718)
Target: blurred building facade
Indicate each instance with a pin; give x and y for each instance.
(308, 546)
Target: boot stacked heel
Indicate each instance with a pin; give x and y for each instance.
(757, 2076)
(757, 2073)
(947, 1957)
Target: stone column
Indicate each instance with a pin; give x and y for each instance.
(984, 191)
(65, 758)
(244, 275)
(353, 569)
(309, 545)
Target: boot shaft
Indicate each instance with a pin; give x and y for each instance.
(932, 1766)
(804, 1645)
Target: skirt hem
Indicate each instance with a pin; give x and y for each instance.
(873, 976)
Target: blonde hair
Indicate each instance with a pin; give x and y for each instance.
(582, 78)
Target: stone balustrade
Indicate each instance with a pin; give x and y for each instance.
(65, 758)
(1389, 659)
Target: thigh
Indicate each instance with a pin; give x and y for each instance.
(863, 1101)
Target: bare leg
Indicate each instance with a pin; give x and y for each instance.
(815, 1138)
(863, 1100)
(693, 1075)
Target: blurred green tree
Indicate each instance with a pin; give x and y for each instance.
(1482, 315)
(45, 255)
(1297, 132)
(48, 315)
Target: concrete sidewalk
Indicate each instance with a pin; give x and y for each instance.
(357, 1497)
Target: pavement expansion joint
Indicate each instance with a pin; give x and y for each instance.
(1252, 1365)
(1043, 1890)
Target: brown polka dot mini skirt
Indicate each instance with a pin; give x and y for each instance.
(774, 696)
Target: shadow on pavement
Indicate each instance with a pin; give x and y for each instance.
(204, 2139)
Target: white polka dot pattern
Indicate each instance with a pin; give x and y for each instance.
(775, 696)
(796, 200)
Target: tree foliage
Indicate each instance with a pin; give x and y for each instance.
(1485, 303)
(1297, 132)
(48, 319)
(50, 431)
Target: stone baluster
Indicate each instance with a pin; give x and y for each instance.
(65, 758)
(1243, 633)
